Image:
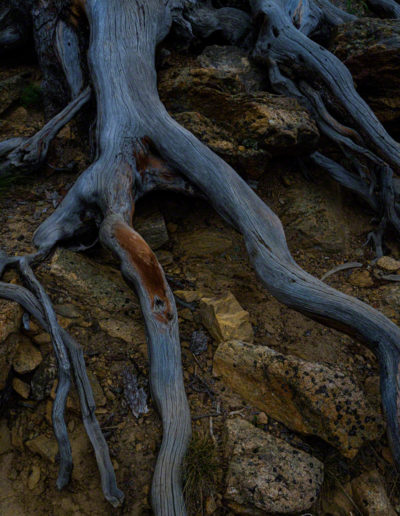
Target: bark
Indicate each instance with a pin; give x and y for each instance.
(139, 147)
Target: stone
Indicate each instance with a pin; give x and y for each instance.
(68, 310)
(224, 110)
(307, 397)
(189, 296)
(10, 318)
(388, 263)
(22, 388)
(339, 502)
(27, 357)
(361, 278)
(369, 494)
(102, 287)
(43, 446)
(202, 243)
(151, 226)
(235, 62)
(7, 351)
(313, 217)
(198, 342)
(370, 48)
(5, 437)
(98, 393)
(266, 475)
(10, 91)
(210, 505)
(391, 294)
(34, 477)
(119, 329)
(43, 378)
(225, 319)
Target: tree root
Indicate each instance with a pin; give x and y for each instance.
(37, 303)
(141, 148)
(27, 155)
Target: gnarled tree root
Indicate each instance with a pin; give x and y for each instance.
(140, 148)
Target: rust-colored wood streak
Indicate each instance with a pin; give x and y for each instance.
(145, 263)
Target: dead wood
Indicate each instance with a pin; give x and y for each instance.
(140, 147)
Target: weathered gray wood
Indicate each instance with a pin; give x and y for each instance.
(28, 154)
(140, 147)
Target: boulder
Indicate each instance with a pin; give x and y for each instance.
(370, 495)
(370, 48)
(307, 397)
(266, 475)
(225, 319)
(215, 97)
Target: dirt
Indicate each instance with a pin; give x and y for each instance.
(134, 441)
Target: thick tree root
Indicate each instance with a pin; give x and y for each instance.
(140, 148)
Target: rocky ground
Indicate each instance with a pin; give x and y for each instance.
(286, 413)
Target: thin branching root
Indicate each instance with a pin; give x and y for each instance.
(140, 148)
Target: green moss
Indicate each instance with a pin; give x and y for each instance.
(31, 96)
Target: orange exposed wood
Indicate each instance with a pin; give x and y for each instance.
(145, 263)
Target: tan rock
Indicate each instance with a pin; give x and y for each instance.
(369, 493)
(189, 296)
(100, 286)
(307, 397)
(339, 502)
(22, 388)
(225, 319)
(388, 264)
(203, 243)
(266, 475)
(10, 318)
(313, 217)
(244, 125)
(41, 339)
(34, 477)
(10, 322)
(361, 278)
(43, 446)
(27, 357)
(119, 329)
(98, 393)
(5, 437)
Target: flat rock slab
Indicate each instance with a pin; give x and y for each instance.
(307, 397)
(266, 475)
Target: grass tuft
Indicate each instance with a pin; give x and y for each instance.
(200, 471)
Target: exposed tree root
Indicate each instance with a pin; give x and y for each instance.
(28, 154)
(141, 148)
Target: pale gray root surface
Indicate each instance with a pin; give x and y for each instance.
(140, 147)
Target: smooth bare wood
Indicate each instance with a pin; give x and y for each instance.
(140, 147)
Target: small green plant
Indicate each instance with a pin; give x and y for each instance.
(31, 96)
(200, 470)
